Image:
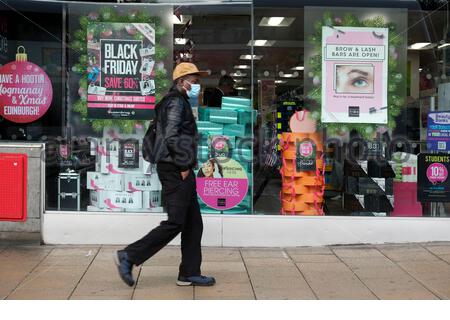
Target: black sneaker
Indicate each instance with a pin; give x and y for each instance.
(201, 281)
(125, 266)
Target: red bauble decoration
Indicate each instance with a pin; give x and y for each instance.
(25, 92)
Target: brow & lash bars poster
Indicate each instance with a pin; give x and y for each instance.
(354, 73)
(121, 71)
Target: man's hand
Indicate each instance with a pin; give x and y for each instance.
(184, 174)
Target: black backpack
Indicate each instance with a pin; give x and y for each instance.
(148, 143)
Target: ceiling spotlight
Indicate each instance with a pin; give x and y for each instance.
(421, 46)
(242, 66)
(276, 21)
(249, 57)
(280, 81)
(266, 73)
(238, 74)
(241, 88)
(180, 41)
(299, 68)
(261, 43)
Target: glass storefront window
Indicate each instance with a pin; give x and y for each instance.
(326, 110)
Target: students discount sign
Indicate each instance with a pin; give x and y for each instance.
(25, 90)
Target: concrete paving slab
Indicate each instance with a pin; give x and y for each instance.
(386, 280)
(435, 275)
(49, 282)
(70, 257)
(225, 291)
(268, 262)
(309, 250)
(334, 281)
(279, 283)
(228, 255)
(262, 253)
(438, 249)
(407, 253)
(159, 283)
(232, 282)
(102, 280)
(445, 257)
(17, 263)
(311, 258)
(355, 252)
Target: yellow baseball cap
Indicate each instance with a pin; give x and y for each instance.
(186, 68)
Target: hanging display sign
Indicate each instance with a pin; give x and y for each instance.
(438, 131)
(354, 75)
(25, 90)
(121, 71)
(433, 184)
(305, 155)
(222, 183)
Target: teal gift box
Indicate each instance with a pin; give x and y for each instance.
(234, 130)
(237, 210)
(243, 143)
(242, 102)
(210, 127)
(243, 155)
(223, 116)
(244, 117)
(203, 114)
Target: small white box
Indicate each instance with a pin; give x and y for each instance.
(110, 164)
(101, 181)
(116, 199)
(94, 208)
(151, 199)
(141, 182)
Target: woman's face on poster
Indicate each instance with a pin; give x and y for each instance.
(354, 79)
(208, 169)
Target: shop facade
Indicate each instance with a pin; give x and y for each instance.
(335, 128)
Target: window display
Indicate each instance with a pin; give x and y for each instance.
(325, 110)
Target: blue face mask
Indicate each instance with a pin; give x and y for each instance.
(194, 92)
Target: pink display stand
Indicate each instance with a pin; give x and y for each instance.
(405, 200)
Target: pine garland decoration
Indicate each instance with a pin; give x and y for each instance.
(109, 16)
(395, 78)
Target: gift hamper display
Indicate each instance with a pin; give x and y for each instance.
(122, 180)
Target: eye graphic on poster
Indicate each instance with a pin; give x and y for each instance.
(121, 71)
(357, 59)
(354, 78)
(25, 90)
(222, 183)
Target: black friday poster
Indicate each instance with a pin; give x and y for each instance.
(354, 75)
(121, 71)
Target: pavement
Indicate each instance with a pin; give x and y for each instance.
(407, 271)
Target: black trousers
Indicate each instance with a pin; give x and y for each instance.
(180, 199)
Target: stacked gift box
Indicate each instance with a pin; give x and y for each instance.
(233, 122)
(369, 187)
(123, 180)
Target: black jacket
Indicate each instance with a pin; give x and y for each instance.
(176, 133)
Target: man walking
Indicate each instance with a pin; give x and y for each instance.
(175, 152)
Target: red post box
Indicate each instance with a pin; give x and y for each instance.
(13, 187)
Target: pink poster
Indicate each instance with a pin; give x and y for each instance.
(25, 90)
(354, 75)
(222, 183)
